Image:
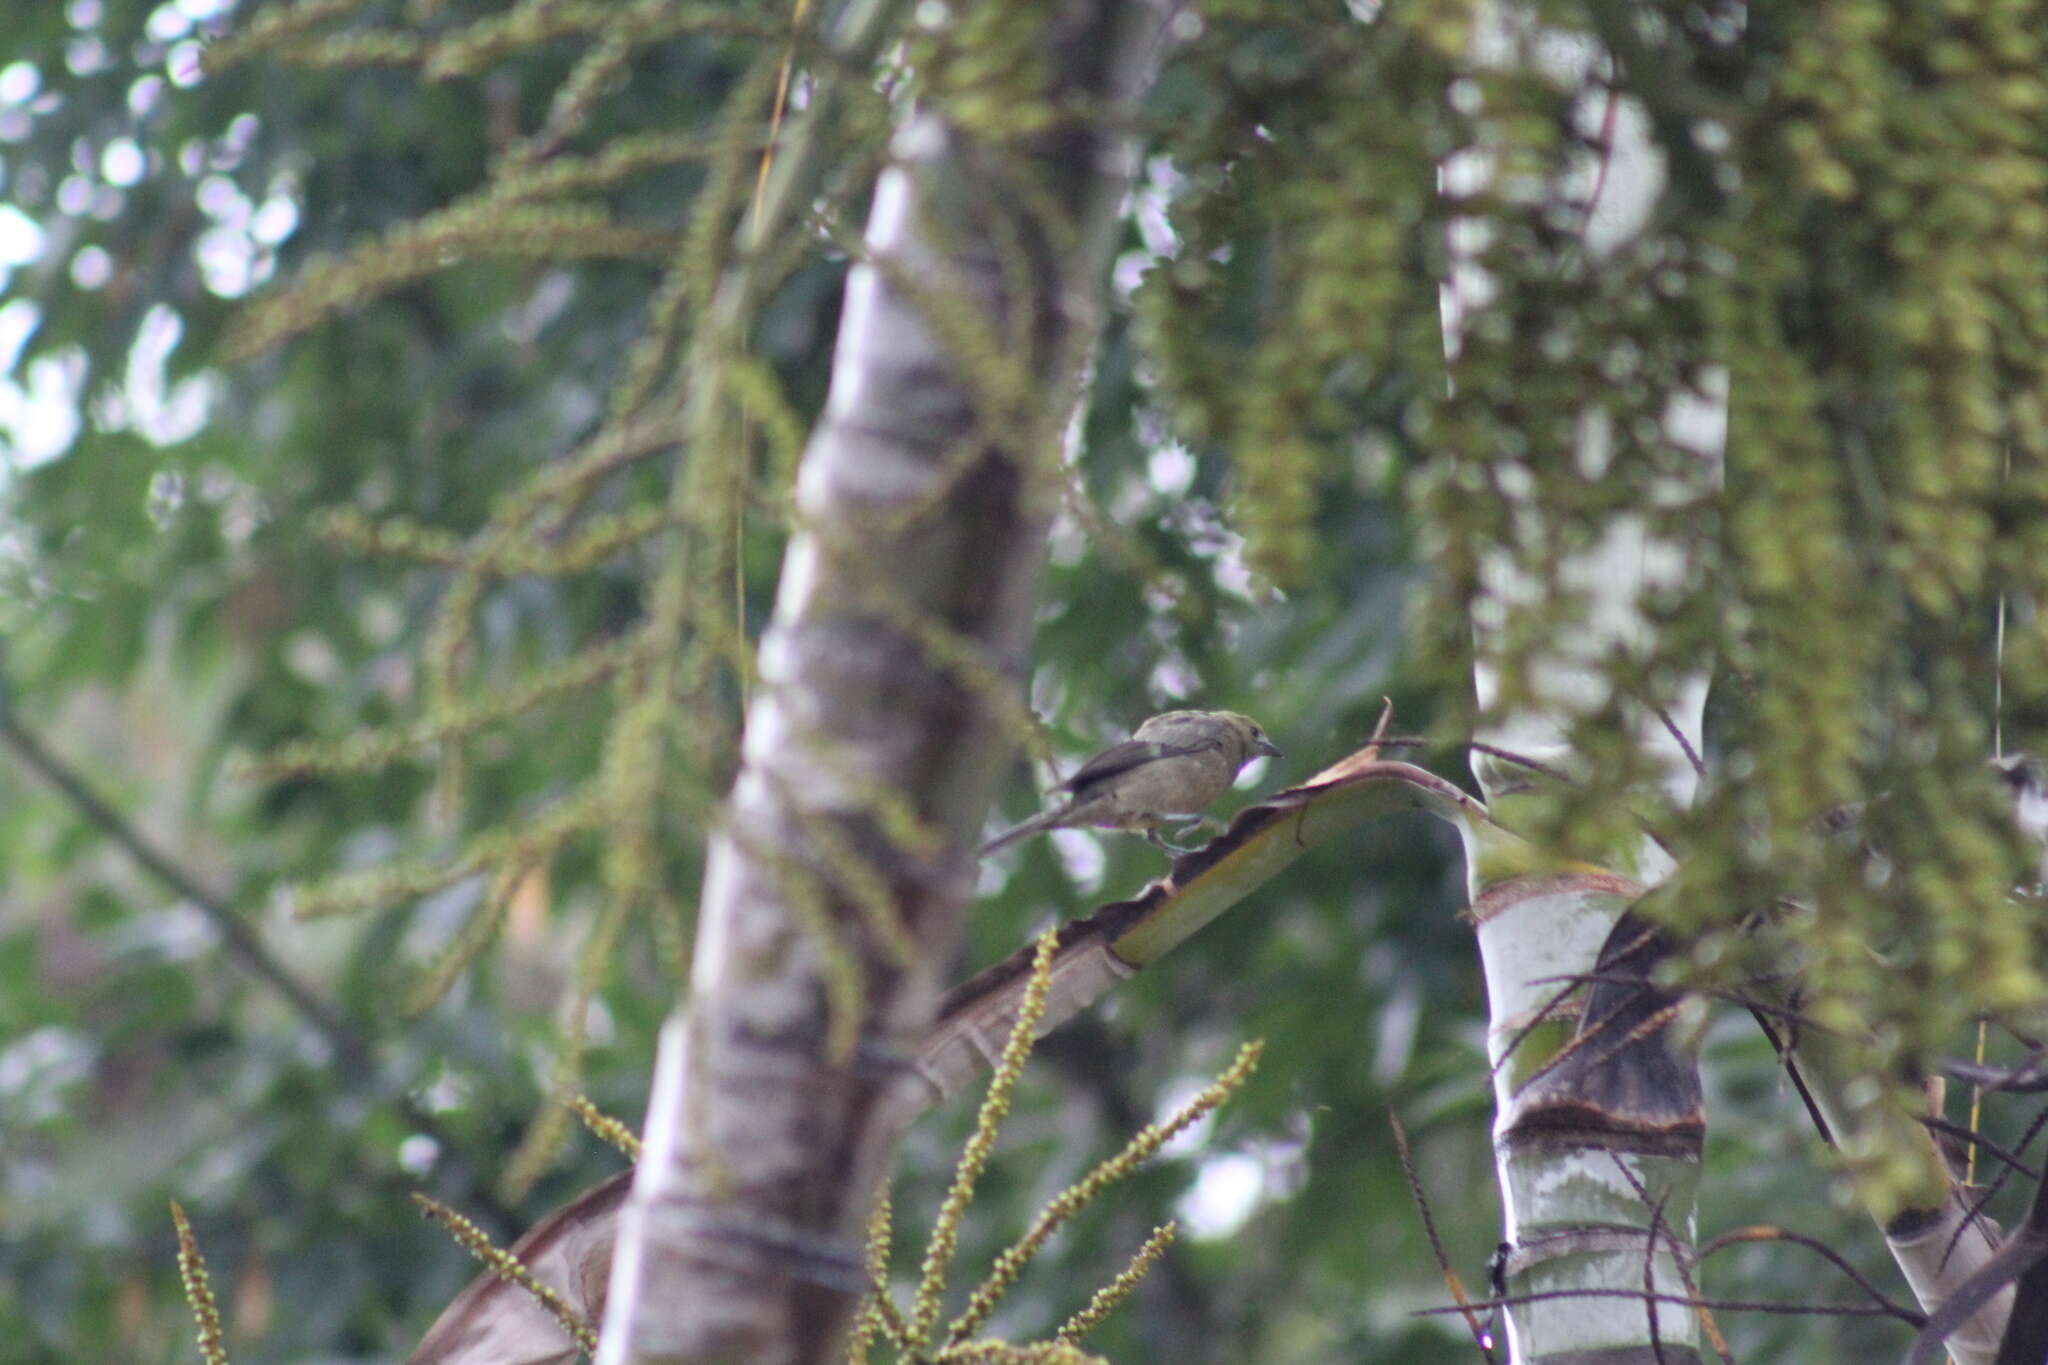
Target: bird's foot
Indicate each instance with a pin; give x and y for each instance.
(1197, 826)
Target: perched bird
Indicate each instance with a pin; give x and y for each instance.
(2027, 778)
(1174, 764)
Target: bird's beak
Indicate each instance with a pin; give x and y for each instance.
(1266, 747)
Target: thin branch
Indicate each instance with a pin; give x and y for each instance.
(2028, 1078)
(1534, 765)
(241, 940)
(1725, 994)
(1547, 1011)
(1436, 1245)
(1650, 1261)
(1822, 1310)
(2026, 1330)
(1692, 756)
(1791, 1064)
(1680, 1252)
(1977, 1139)
(1743, 1236)
(2018, 1258)
(354, 1060)
(1991, 1191)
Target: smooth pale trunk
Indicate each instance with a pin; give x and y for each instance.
(922, 503)
(1598, 1166)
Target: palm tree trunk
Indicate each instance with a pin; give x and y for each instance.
(877, 734)
(1599, 1123)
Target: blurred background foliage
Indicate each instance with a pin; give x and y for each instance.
(1242, 534)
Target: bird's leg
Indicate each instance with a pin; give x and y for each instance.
(1154, 838)
(1201, 824)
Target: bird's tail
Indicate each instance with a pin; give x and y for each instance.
(1042, 821)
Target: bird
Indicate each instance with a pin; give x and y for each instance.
(1174, 764)
(2026, 777)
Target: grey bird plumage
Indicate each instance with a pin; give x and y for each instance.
(2026, 777)
(1174, 764)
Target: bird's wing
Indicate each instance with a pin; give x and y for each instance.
(1121, 758)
